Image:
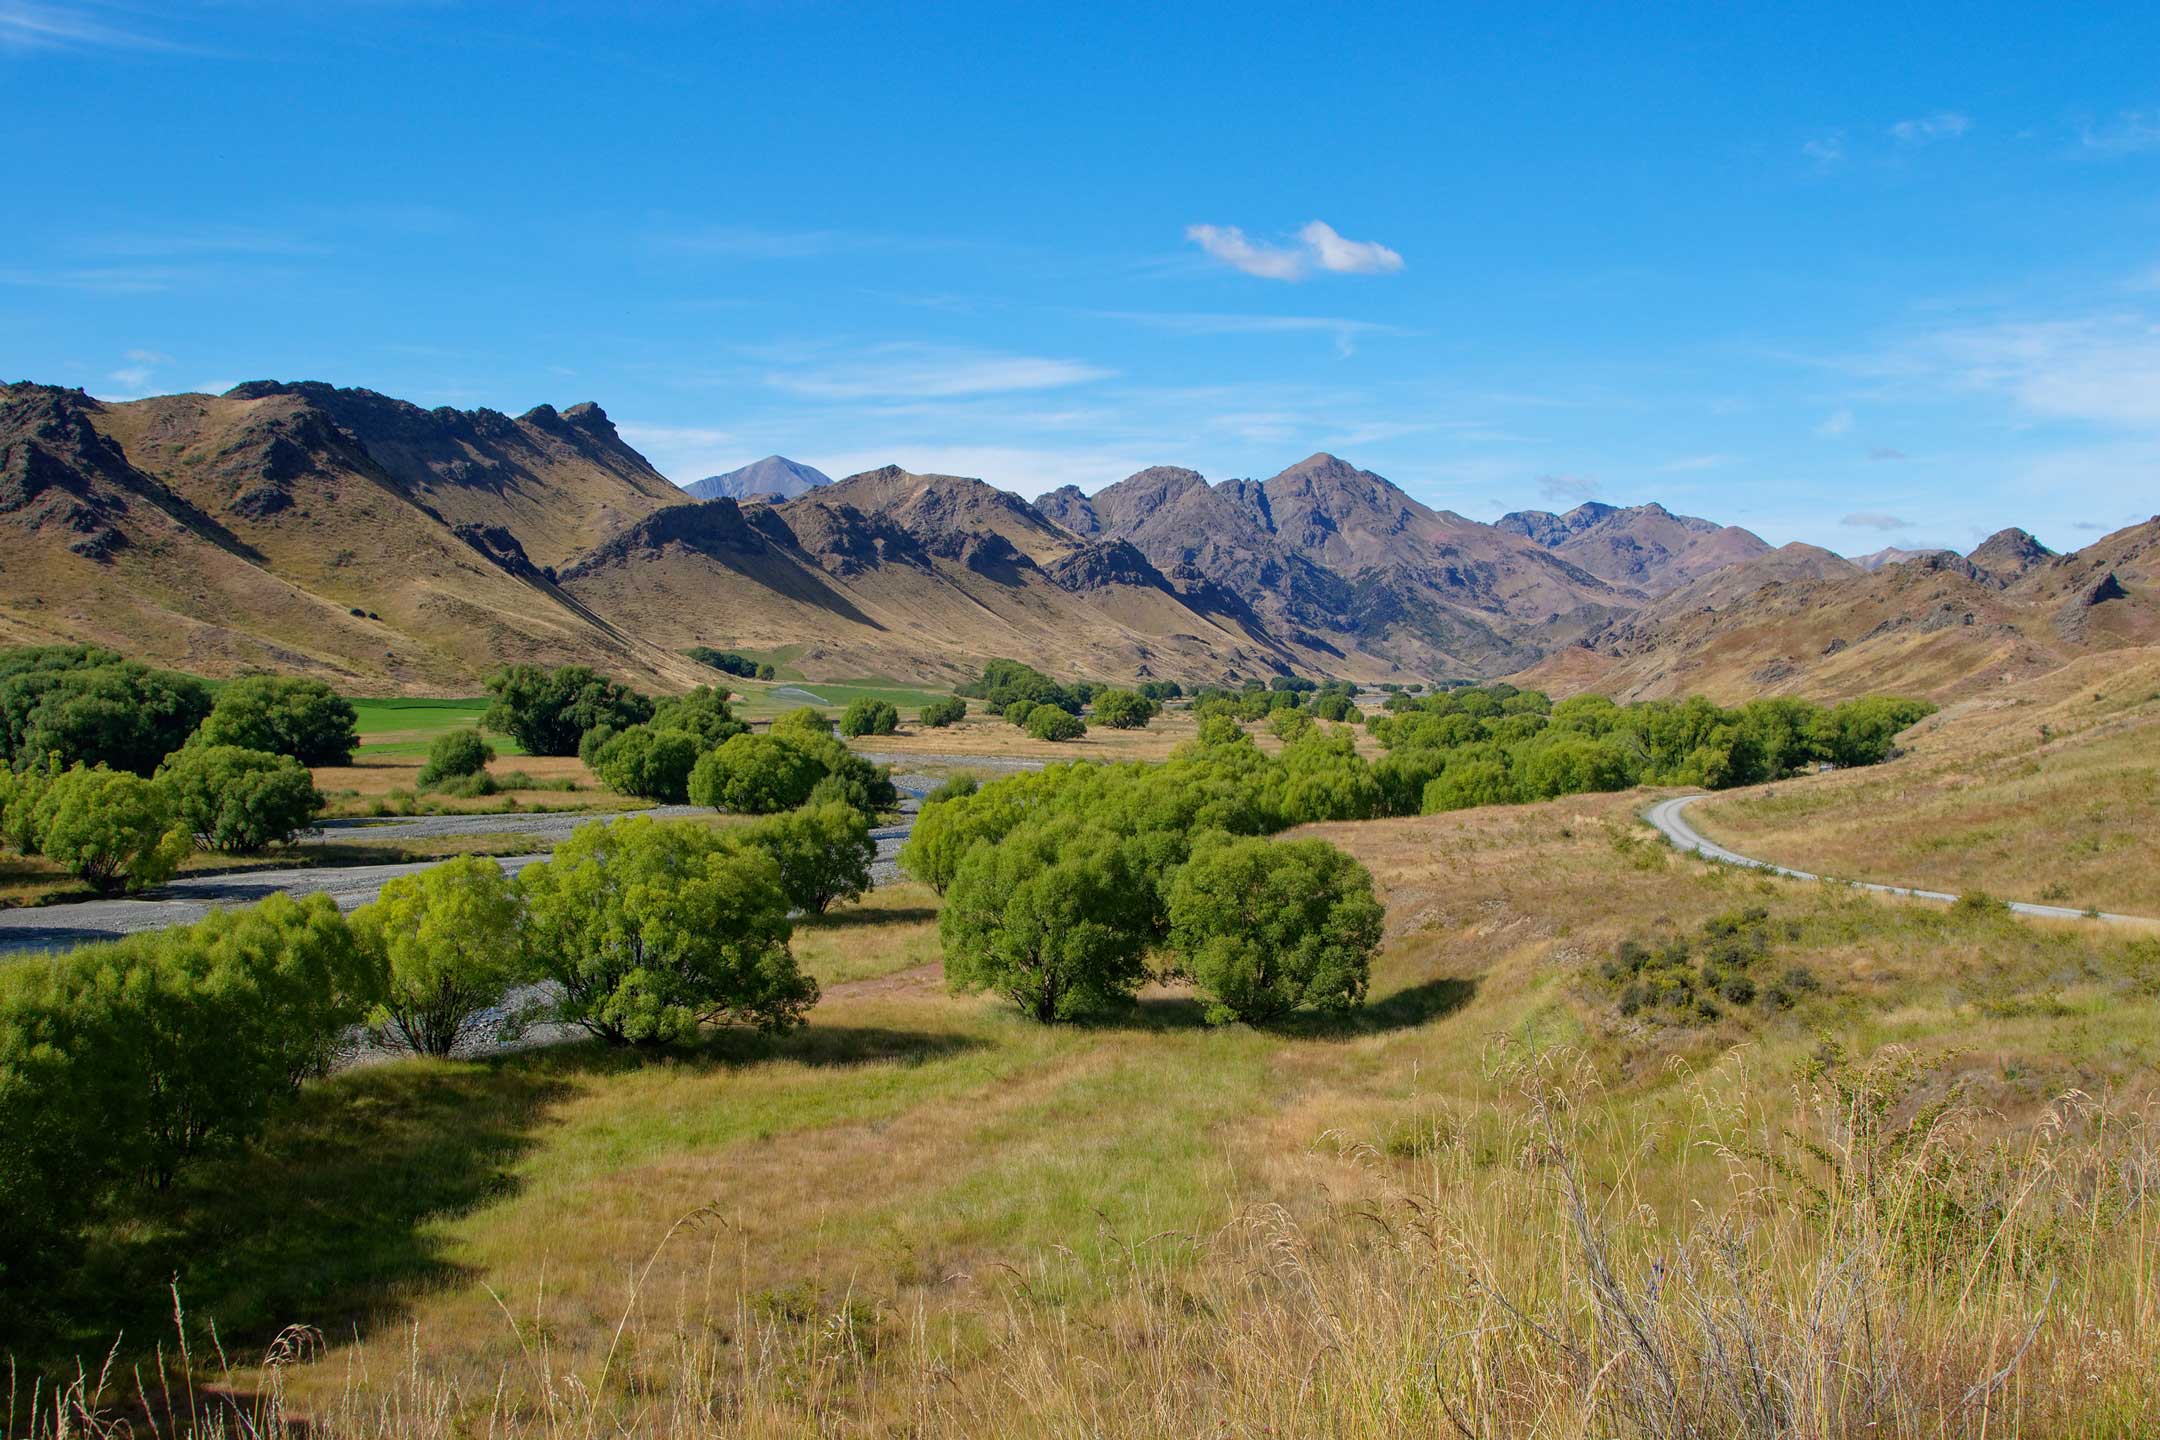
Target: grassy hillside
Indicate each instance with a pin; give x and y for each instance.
(1496, 1199)
(2046, 791)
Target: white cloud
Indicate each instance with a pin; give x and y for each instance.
(1942, 125)
(149, 357)
(923, 372)
(1319, 245)
(134, 376)
(1875, 520)
(2128, 132)
(1837, 423)
(1348, 257)
(1228, 244)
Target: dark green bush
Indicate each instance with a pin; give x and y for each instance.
(456, 753)
(940, 713)
(549, 711)
(283, 715)
(869, 717)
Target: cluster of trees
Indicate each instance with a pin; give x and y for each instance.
(1068, 888)
(1331, 700)
(119, 1063)
(869, 717)
(940, 713)
(1006, 682)
(728, 662)
(115, 770)
(1495, 744)
(797, 762)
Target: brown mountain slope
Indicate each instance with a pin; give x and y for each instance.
(221, 532)
(1330, 558)
(891, 572)
(1802, 621)
(1638, 547)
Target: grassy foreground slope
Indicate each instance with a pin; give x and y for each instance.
(2048, 791)
(1918, 1201)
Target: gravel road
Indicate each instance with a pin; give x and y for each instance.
(1669, 820)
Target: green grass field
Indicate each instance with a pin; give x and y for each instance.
(761, 700)
(408, 727)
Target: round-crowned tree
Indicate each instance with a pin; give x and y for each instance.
(1052, 918)
(869, 717)
(1265, 927)
(805, 721)
(284, 715)
(1048, 722)
(703, 713)
(111, 828)
(1018, 711)
(755, 775)
(231, 798)
(454, 755)
(824, 852)
(92, 707)
(1124, 709)
(450, 949)
(940, 713)
(648, 762)
(654, 928)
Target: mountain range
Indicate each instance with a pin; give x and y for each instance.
(392, 548)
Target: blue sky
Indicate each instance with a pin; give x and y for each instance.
(1860, 276)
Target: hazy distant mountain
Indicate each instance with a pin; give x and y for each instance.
(1891, 555)
(1642, 547)
(774, 477)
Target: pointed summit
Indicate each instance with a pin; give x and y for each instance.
(774, 477)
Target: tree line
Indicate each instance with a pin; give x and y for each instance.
(115, 770)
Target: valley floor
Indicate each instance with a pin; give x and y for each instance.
(1496, 1199)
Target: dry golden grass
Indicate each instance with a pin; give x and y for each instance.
(1921, 1203)
(389, 784)
(2047, 791)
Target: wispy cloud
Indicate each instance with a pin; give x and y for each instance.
(1345, 333)
(1942, 125)
(2129, 132)
(1688, 463)
(27, 27)
(1318, 246)
(157, 239)
(685, 452)
(1874, 520)
(1567, 489)
(2103, 369)
(1825, 150)
(1836, 424)
(95, 280)
(923, 372)
(1884, 452)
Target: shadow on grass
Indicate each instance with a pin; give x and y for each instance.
(334, 1218)
(864, 916)
(1402, 1009)
(326, 1220)
(815, 1044)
